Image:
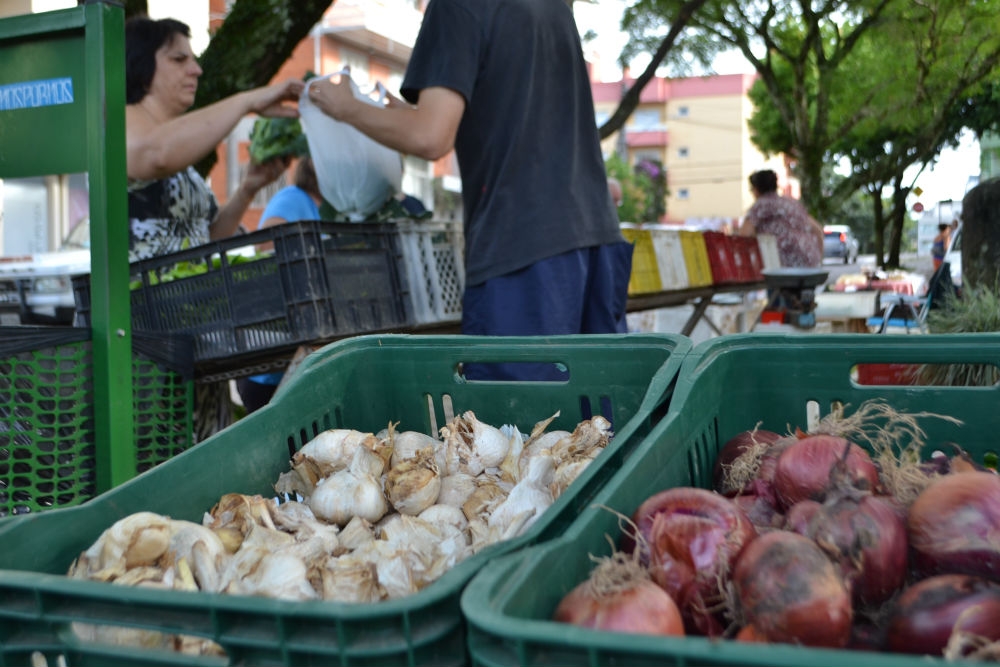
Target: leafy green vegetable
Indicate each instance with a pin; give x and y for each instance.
(277, 137)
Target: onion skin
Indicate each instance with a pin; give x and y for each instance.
(954, 526)
(804, 469)
(792, 593)
(643, 609)
(925, 614)
(760, 511)
(865, 536)
(799, 515)
(732, 450)
(695, 539)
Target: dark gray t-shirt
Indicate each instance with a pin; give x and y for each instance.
(533, 180)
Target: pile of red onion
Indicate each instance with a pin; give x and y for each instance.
(801, 541)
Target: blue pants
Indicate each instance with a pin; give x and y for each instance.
(582, 291)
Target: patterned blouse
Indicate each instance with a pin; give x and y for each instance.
(170, 214)
(787, 220)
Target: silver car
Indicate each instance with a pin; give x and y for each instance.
(839, 242)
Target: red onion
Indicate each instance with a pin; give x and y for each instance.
(806, 469)
(924, 617)
(864, 535)
(734, 448)
(954, 525)
(694, 540)
(791, 592)
(760, 511)
(799, 515)
(619, 597)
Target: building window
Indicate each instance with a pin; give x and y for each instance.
(358, 62)
(682, 152)
(645, 120)
(601, 117)
(683, 193)
(682, 112)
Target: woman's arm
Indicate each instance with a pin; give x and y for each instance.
(228, 219)
(157, 149)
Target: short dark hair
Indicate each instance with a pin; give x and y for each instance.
(305, 176)
(764, 181)
(943, 226)
(143, 38)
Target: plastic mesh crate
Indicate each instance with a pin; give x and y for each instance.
(433, 254)
(669, 250)
(360, 383)
(726, 385)
(645, 276)
(323, 280)
(47, 451)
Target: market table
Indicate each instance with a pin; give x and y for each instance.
(277, 359)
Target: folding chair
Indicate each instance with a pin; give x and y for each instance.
(908, 312)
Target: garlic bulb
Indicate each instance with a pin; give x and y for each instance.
(588, 437)
(394, 566)
(405, 446)
(349, 578)
(444, 515)
(478, 445)
(414, 484)
(566, 474)
(355, 491)
(240, 512)
(484, 499)
(135, 540)
(456, 489)
(509, 469)
(329, 452)
(357, 532)
(528, 499)
(200, 550)
(280, 575)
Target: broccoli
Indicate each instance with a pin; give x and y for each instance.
(277, 137)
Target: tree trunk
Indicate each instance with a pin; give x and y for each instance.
(879, 215)
(252, 44)
(981, 236)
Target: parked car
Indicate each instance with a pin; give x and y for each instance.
(38, 288)
(839, 242)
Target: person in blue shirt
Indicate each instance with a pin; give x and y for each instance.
(299, 201)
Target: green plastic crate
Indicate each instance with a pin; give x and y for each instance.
(360, 383)
(726, 385)
(47, 449)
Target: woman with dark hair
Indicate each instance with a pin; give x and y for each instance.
(799, 237)
(170, 206)
(939, 246)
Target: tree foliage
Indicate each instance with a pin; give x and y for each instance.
(886, 84)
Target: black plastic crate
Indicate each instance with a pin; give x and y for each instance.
(324, 280)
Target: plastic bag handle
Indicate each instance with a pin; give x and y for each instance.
(383, 92)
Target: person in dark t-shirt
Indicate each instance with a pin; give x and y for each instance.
(505, 84)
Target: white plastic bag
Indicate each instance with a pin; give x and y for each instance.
(356, 174)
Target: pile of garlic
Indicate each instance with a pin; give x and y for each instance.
(377, 516)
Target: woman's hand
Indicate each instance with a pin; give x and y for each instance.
(259, 175)
(270, 100)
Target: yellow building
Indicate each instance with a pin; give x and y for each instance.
(697, 129)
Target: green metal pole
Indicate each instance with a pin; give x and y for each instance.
(110, 307)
